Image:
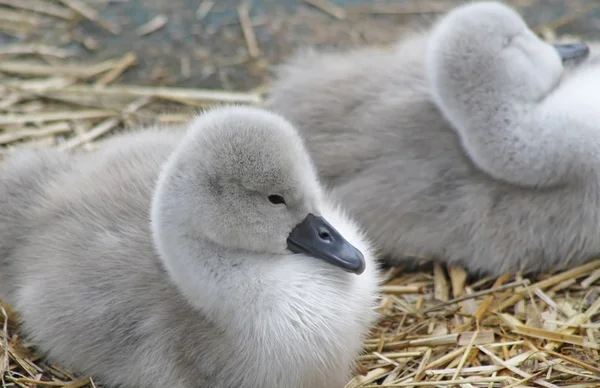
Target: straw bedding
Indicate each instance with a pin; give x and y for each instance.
(438, 328)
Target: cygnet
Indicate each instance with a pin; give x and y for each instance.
(208, 257)
(468, 144)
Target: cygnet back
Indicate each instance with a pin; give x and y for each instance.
(436, 173)
(207, 257)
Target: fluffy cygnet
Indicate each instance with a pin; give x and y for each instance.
(209, 259)
(461, 144)
(498, 91)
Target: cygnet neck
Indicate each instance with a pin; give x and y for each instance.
(532, 144)
(229, 286)
(522, 134)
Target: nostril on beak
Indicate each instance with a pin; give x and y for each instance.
(324, 235)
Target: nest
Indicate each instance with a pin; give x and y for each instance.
(437, 328)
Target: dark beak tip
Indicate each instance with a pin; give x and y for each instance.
(357, 265)
(572, 51)
(361, 268)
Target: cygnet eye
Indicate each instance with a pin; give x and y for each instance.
(276, 199)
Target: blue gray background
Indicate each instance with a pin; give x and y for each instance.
(215, 49)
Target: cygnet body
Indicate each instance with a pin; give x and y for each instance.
(207, 257)
(468, 144)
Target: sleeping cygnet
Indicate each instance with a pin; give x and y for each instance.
(209, 259)
(468, 144)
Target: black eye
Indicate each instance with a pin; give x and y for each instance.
(276, 199)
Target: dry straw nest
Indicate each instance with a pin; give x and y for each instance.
(437, 328)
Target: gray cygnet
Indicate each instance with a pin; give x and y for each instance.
(209, 257)
(470, 143)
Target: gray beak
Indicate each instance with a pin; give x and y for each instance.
(577, 51)
(315, 237)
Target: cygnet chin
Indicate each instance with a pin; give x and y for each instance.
(470, 143)
(206, 256)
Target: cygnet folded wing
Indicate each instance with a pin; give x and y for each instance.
(377, 135)
(24, 179)
(121, 278)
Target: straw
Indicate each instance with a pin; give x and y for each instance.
(438, 328)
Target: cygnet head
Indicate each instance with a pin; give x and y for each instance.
(242, 179)
(480, 49)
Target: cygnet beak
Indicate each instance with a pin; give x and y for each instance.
(576, 51)
(314, 236)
